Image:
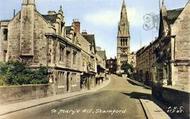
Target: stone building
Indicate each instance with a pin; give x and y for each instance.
(88, 56)
(44, 40)
(111, 65)
(123, 39)
(101, 65)
(172, 66)
(166, 60)
(145, 59)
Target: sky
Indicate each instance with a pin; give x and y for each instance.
(101, 17)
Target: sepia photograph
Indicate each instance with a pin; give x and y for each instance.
(94, 59)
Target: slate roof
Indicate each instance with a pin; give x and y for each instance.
(102, 54)
(173, 15)
(51, 18)
(68, 29)
(90, 38)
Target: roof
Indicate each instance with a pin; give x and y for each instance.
(51, 18)
(90, 38)
(102, 54)
(173, 15)
(67, 29)
(5, 20)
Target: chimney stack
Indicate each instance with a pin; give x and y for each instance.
(76, 24)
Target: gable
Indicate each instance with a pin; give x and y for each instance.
(181, 29)
(172, 15)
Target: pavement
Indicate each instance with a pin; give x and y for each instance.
(11, 108)
(152, 110)
(118, 93)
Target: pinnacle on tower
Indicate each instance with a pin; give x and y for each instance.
(123, 9)
(123, 5)
(163, 2)
(61, 9)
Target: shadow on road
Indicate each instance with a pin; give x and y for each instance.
(168, 108)
(137, 84)
(138, 95)
(133, 83)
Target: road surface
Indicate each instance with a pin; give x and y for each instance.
(118, 100)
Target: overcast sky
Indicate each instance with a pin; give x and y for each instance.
(101, 17)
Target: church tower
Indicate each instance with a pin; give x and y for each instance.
(123, 38)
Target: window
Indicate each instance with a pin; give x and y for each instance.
(4, 55)
(73, 77)
(5, 33)
(74, 57)
(68, 61)
(126, 42)
(49, 56)
(121, 42)
(61, 54)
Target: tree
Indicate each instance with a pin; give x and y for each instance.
(17, 73)
(128, 69)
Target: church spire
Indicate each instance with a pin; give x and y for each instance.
(61, 9)
(123, 28)
(123, 9)
(123, 5)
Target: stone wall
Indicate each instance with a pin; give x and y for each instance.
(12, 94)
(181, 29)
(14, 38)
(181, 55)
(3, 40)
(37, 46)
(27, 30)
(40, 41)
